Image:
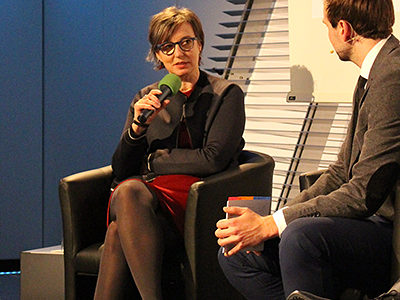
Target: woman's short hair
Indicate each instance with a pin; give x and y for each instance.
(163, 25)
(369, 18)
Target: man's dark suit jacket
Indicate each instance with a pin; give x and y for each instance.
(360, 182)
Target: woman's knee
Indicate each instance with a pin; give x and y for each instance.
(131, 192)
(112, 237)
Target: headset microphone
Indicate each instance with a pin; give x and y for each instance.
(349, 40)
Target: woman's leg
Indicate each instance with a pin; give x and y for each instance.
(114, 271)
(138, 229)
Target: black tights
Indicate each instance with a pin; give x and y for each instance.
(134, 242)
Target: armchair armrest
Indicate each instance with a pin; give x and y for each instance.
(307, 179)
(204, 208)
(84, 200)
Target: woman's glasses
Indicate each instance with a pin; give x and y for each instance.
(168, 48)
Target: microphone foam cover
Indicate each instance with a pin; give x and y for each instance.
(172, 81)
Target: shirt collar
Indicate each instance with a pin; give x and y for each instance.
(370, 58)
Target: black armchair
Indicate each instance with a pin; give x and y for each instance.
(84, 198)
(307, 179)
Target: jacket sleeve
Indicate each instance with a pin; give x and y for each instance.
(329, 181)
(374, 173)
(223, 142)
(128, 157)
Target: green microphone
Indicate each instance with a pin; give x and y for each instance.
(169, 86)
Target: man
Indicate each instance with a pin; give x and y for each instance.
(336, 234)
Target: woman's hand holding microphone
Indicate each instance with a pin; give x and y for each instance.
(150, 102)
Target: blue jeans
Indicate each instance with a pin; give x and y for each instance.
(323, 256)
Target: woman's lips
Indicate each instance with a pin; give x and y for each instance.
(181, 64)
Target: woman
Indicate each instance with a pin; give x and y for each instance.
(155, 163)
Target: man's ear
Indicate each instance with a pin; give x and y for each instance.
(345, 30)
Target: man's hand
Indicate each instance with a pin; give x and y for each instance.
(248, 229)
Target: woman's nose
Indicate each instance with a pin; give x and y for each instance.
(178, 51)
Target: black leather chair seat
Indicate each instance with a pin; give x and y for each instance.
(88, 259)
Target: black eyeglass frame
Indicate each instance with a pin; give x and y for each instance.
(158, 47)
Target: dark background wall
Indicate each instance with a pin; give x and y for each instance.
(68, 70)
(21, 127)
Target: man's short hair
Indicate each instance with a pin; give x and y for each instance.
(369, 18)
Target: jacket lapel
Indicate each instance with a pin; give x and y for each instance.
(357, 140)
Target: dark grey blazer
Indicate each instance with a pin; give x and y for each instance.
(360, 182)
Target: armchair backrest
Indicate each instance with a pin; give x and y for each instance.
(90, 191)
